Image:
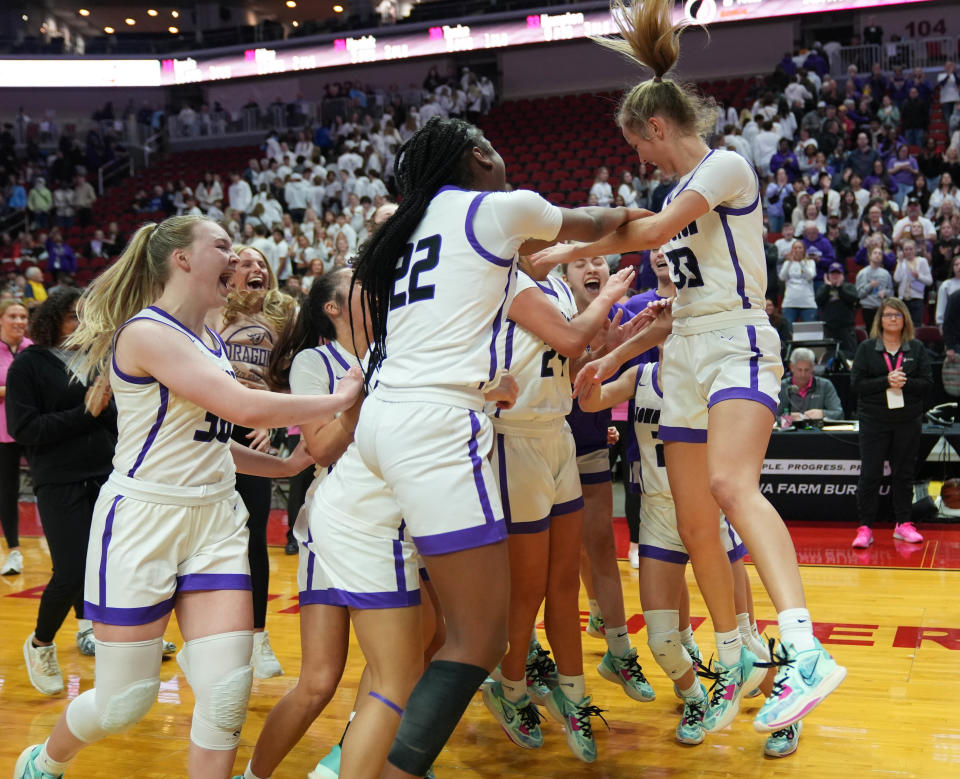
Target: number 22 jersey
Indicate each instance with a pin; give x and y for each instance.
(163, 438)
(717, 261)
(446, 326)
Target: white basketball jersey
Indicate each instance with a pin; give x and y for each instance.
(648, 403)
(543, 375)
(163, 438)
(717, 262)
(446, 328)
(318, 372)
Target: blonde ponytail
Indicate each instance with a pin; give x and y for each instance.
(133, 282)
(651, 39)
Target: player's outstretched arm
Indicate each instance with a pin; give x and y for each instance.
(146, 348)
(532, 311)
(597, 397)
(645, 231)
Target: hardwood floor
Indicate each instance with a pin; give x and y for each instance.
(896, 630)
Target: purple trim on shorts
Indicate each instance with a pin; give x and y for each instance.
(196, 582)
(152, 435)
(360, 600)
(655, 379)
(138, 615)
(458, 540)
(737, 553)
(188, 331)
(738, 393)
(529, 528)
(472, 447)
(497, 324)
(398, 564)
(688, 435)
(502, 482)
(600, 477)
(472, 236)
(126, 376)
(386, 702)
(424, 574)
(732, 247)
(311, 559)
(104, 544)
(336, 356)
(754, 358)
(567, 507)
(666, 555)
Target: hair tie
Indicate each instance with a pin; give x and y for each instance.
(658, 79)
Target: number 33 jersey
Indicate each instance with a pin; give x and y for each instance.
(446, 326)
(163, 438)
(717, 261)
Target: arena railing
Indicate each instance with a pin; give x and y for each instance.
(921, 52)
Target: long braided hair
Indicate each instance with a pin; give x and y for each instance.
(435, 156)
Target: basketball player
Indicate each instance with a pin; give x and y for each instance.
(721, 370)
(535, 461)
(168, 529)
(255, 314)
(437, 353)
(663, 558)
(600, 571)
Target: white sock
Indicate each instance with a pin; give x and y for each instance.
(594, 608)
(694, 691)
(513, 690)
(728, 647)
(618, 640)
(84, 624)
(574, 687)
(46, 764)
(686, 635)
(249, 774)
(796, 628)
(745, 629)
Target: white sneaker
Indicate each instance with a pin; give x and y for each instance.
(86, 643)
(633, 555)
(42, 667)
(264, 661)
(13, 564)
(169, 647)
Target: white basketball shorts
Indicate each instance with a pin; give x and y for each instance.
(659, 537)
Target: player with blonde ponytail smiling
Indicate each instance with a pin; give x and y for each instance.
(721, 370)
(168, 529)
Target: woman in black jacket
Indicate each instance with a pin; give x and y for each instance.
(891, 374)
(69, 450)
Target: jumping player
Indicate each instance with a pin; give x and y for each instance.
(721, 369)
(422, 432)
(168, 529)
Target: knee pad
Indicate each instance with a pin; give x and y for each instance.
(218, 669)
(127, 683)
(665, 642)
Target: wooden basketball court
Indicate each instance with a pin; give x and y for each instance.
(891, 615)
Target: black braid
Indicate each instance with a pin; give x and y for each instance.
(306, 329)
(432, 158)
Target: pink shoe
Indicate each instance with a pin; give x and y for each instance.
(906, 532)
(864, 537)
